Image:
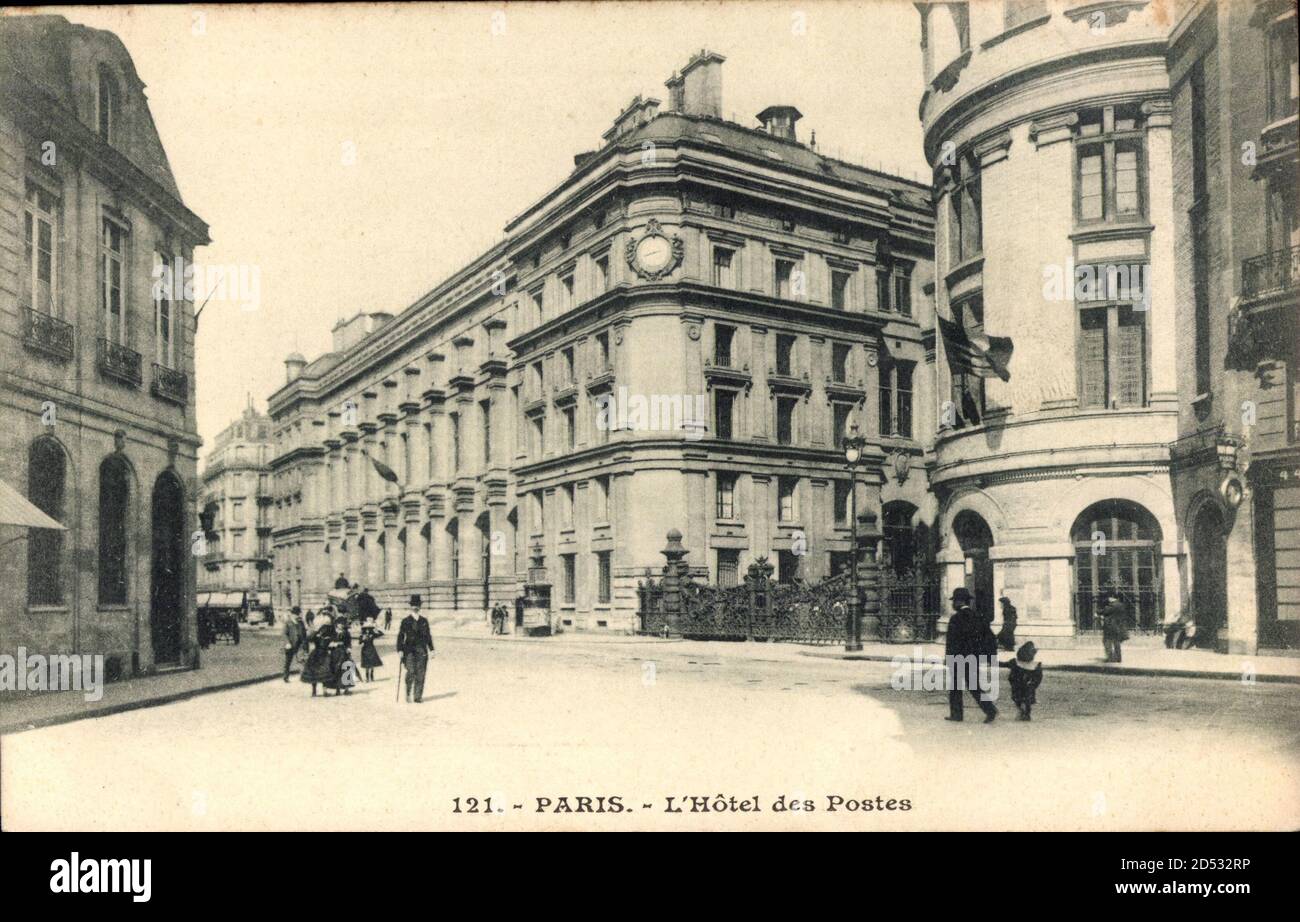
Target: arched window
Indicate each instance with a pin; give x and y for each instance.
(114, 506)
(106, 106)
(46, 479)
(1117, 549)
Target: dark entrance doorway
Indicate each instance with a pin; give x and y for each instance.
(1209, 574)
(167, 588)
(975, 539)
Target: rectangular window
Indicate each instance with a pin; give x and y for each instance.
(1283, 68)
(784, 354)
(841, 562)
(728, 567)
(1109, 182)
(840, 355)
(113, 297)
(722, 272)
(485, 410)
(570, 371)
(840, 290)
(570, 428)
(569, 562)
(783, 274)
(886, 398)
(1092, 358)
(965, 208)
(566, 293)
(724, 414)
(842, 502)
(539, 437)
(604, 584)
(785, 421)
(725, 505)
(569, 492)
(787, 499)
(163, 311)
(602, 353)
(722, 337)
(903, 390)
(539, 380)
(882, 288)
(539, 512)
(787, 567)
(903, 290)
(41, 261)
(537, 294)
(600, 274)
(840, 421)
(1130, 358)
(600, 499)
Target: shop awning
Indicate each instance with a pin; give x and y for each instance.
(986, 356)
(16, 509)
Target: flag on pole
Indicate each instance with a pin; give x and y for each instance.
(383, 470)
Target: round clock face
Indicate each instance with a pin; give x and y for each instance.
(653, 252)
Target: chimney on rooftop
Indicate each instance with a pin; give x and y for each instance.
(778, 121)
(697, 89)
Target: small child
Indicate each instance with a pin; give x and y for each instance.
(1026, 674)
(369, 656)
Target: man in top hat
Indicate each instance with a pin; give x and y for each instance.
(1114, 626)
(414, 644)
(969, 643)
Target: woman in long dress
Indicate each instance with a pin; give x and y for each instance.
(342, 671)
(317, 668)
(370, 660)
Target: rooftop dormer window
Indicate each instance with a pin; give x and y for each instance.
(106, 106)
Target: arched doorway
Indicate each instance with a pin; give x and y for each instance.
(1117, 549)
(1209, 573)
(167, 589)
(975, 539)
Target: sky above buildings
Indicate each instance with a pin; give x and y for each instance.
(351, 157)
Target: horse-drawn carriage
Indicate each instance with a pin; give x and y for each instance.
(219, 614)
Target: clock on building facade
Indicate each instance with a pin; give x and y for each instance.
(655, 255)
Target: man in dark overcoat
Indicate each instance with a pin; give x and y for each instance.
(1114, 627)
(295, 637)
(969, 645)
(414, 644)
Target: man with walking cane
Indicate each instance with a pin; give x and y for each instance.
(414, 644)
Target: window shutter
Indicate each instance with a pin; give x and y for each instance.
(1131, 370)
(1093, 359)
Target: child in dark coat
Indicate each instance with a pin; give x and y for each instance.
(1026, 675)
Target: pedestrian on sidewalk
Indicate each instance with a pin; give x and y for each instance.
(414, 644)
(370, 660)
(1026, 676)
(388, 619)
(317, 668)
(1007, 635)
(1114, 627)
(342, 669)
(970, 644)
(295, 638)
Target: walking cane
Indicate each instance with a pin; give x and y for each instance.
(398, 698)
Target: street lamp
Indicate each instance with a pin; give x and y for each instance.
(853, 444)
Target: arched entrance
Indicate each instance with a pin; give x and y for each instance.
(1117, 549)
(1209, 573)
(167, 589)
(975, 539)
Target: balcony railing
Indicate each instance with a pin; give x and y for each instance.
(169, 384)
(47, 334)
(117, 361)
(1271, 273)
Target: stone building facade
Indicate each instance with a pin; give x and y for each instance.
(1069, 222)
(677, 336)
(235, 507)
(97, 422)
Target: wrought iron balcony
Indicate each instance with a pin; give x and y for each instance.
(117, 361)
(1271, 273)
(47, 334)
(169, 384)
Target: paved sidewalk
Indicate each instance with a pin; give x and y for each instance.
(1146, 656)
(256, 659)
